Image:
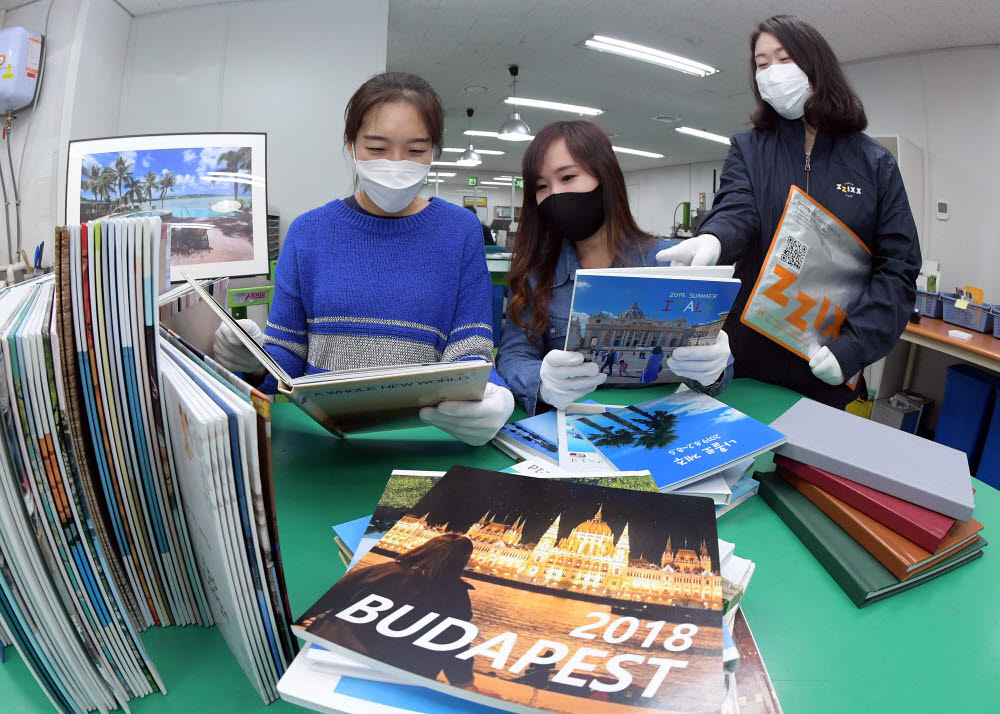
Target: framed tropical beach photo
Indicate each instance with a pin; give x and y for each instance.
(209, 190)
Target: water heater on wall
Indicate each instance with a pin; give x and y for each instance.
(20, 68)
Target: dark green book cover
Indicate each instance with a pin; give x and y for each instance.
(858, 573)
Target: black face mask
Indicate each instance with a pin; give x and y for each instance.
(576, 215)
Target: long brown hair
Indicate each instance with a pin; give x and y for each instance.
(536, 250)
(396, 87)
(440, 558)
(834, 105)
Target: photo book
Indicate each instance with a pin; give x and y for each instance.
(680, 438)
(630, 320)
(359, 400)
(529, 594)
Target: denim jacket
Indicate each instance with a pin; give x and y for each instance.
(519, 359)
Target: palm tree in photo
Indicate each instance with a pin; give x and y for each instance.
(89, 180)
(650, 430)
(166, 184)
(614, 438)
(122, 168)
(148, 184)
(106, 183)
(660, 432)
(235, 161)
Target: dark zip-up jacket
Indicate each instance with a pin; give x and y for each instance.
(857, 180)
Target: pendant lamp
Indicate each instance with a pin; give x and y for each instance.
(514, 129)
(470, 157)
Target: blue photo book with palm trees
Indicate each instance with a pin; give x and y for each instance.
(679, 438)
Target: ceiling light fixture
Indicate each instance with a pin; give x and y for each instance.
(558, 106)
(490, 152)
(469, 157)
(602, 43)
(703, 134)
(508, 184)
(448, 163)
(514, 129)
(638, 152)
(476, 132)
(441, 174)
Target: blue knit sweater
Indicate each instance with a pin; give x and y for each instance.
(354, 291)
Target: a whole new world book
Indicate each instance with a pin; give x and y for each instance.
(529, 594)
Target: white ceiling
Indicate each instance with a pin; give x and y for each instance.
(457, 43)
(145, 7)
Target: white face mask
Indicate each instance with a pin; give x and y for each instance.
(391, 185)
(786, 88)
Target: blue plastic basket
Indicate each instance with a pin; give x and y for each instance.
(989, 464)
(974, 317)
(996, 321)
(929, 304)
(969, 399)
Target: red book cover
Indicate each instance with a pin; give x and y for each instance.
(924, 527)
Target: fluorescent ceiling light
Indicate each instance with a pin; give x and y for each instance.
(638, 152)
(508, 184)
(491, 152)
(442, 174)
(602, 43)
(558, 106)
(476, 132)
(448, 163)
(503, 178)
(703, 134)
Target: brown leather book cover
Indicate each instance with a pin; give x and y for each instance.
(901, 557)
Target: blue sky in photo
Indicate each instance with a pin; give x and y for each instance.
(699, 417)
(190, 166)
(616, 294)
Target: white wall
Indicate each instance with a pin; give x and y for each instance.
(285, 67)
(948, 103)
(495, 196)
(84, 59)
(655, 193)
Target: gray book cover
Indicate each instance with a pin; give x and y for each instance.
(886, 459)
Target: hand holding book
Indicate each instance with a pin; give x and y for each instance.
(475, 423)
(703, 363)
(565, 377)
(231, 353)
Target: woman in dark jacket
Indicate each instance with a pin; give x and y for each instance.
(807, 131)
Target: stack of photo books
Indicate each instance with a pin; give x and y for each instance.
(545, 602)
(690, 443)
(881, 509)
(136, 480)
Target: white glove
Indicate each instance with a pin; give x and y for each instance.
(700, 250)
(475, 423)
(231, 353)
(702, 363)
(826, 367)
(566, 378)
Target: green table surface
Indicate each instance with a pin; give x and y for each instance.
(931, 649)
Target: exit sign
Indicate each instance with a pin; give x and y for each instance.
(472, 181)
(519, 182)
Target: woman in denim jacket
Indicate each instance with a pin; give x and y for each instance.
(576, 215)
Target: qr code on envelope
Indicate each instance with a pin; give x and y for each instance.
(794, 253)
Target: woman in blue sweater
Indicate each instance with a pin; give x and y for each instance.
(576, 215)
(384, 277)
